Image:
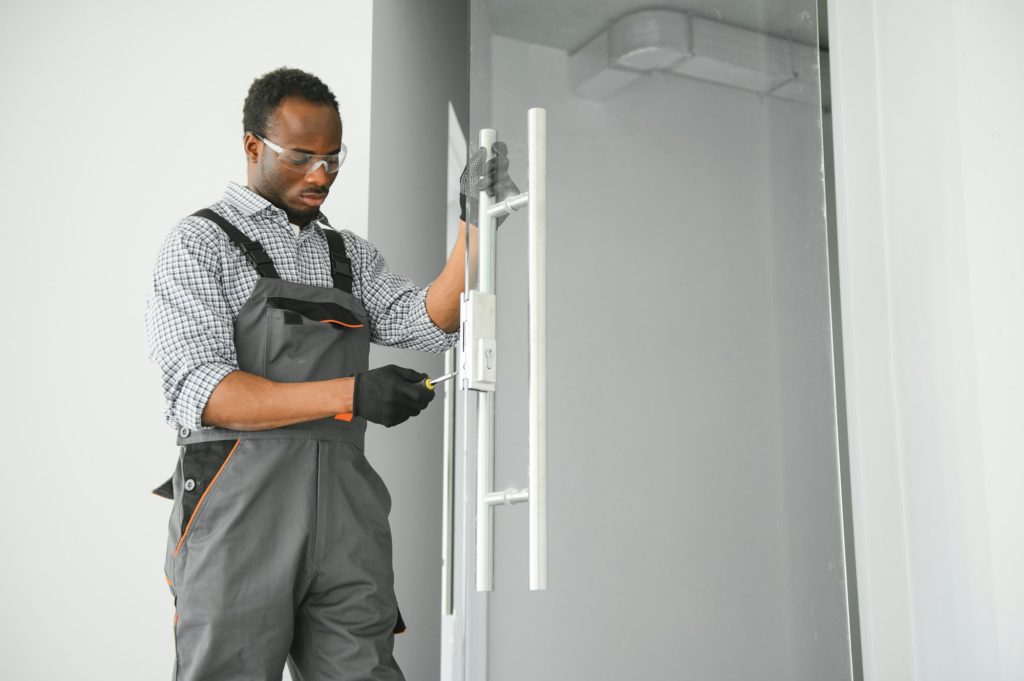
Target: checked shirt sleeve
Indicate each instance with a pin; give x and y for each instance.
(396, 306)
(188, 322)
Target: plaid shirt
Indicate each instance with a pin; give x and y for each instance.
(202, 280)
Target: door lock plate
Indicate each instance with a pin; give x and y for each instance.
(479, 345)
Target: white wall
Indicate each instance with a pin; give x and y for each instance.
(120, 117)
(927, 107)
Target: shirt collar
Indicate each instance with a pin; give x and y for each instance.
(249, 203)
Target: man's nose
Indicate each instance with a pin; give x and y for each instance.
(318, 175)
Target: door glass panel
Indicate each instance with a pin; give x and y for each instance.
(694, 509)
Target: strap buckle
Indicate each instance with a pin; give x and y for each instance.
(342, 266)
(252, 250)
(256, 255)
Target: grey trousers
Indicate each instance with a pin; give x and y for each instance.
(279, 551)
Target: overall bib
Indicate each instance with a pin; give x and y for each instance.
(279, 547)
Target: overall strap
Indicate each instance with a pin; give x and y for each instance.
(341, 266)
(252, 250)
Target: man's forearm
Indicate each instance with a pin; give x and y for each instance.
(244, 401)
(445, 291)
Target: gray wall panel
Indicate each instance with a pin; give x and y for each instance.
(419, 65)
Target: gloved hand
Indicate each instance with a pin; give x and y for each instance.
(490, 176)
(390, 395)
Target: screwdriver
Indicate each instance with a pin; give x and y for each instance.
(431, 383)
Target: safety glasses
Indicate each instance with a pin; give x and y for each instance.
(301, 162)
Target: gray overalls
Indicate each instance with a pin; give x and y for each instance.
(279, 546)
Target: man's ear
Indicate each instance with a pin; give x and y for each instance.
(252, 146)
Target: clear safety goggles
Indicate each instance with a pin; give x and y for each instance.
(301, 162)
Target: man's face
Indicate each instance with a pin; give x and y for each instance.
(305, 127)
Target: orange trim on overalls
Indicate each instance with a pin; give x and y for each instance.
(203, 498)
(335, 321)
(347, 416)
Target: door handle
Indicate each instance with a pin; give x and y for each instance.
(537, 265)
(479, 347)
(448, 493)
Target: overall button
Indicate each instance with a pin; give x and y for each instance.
(184, 432)
(190, 485)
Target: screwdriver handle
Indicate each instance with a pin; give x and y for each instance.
(431, 383)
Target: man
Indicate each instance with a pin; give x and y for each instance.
(260, 320)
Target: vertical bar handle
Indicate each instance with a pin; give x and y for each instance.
(448, 492)
(486, 256)
(536, 249)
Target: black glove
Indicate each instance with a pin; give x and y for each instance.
(390, 395)
(490, 176)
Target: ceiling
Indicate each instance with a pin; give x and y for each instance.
(569, 24)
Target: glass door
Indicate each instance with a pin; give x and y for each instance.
(693, 519)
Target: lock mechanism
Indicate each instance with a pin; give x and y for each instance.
(479, 345)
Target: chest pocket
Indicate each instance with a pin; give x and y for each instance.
(309, 340)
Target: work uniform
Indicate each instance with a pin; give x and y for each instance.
(279, 546)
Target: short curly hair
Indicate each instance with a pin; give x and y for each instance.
(268, 91)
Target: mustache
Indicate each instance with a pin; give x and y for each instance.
(315, 192)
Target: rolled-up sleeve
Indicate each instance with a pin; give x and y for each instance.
(188, 322)
(396, 306)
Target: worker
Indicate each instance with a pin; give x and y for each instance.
(260, 320)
